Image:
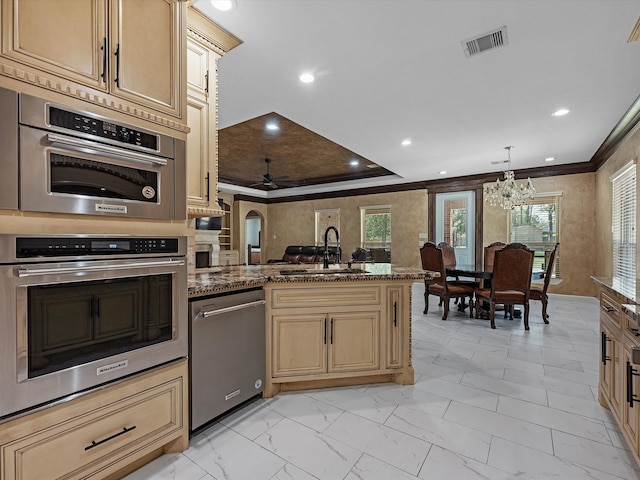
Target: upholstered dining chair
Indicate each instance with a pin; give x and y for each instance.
(489, 253)
(510, 281)
(433, 259)
(538, 292)
(449, 254)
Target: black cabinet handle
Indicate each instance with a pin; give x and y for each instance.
(117, 54)
(206, 82)
(603, 340)
(104, 60)
(631, 372)
(208, 186)
(608, 309)
(325, 330)
(395, 314)
(115, 435)
(331, 336)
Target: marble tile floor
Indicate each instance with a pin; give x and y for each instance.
(487, 404)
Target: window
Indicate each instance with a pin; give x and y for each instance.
(375, 231)
(536, 225)
(324, 219)
(623, 223)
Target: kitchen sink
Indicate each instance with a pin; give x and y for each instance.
(326, 271)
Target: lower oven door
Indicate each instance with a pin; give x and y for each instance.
(72, 175)
(71, 326)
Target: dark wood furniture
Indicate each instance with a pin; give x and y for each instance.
(538, 292)
(433, 259)
(510, 281)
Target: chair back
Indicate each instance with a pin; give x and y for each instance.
(512, 269)
(433, 259)
(449, 254)
(489, 253)
(549, 271)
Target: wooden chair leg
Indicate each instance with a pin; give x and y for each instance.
(446, 308)
(471, 306)
(545, 301)
(492, 313)
(426, 300)
(526, 316)
(477, 307)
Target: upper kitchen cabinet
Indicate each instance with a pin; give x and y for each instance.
(206, 43)
(122, 54)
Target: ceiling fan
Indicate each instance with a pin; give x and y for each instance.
(267, 180)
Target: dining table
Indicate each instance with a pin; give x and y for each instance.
(484, 277)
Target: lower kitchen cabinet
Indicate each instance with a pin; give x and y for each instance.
(104, 434)
(322, 334)
(611, 365)
(312, 343)
(629, 414)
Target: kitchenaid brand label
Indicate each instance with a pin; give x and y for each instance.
(101, 207)
(114, 366)
(232, 394)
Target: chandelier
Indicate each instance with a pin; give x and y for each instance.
(508, 194)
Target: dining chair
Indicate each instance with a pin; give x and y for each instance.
(449, 254)
(433, 259)
(510, 281)
(489, 253)
(538, 292)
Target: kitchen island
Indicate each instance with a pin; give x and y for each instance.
(327, 327)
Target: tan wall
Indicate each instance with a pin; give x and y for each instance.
(577, 220)
(293, 223)
(627, 152)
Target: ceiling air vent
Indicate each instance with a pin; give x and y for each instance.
(494, 39)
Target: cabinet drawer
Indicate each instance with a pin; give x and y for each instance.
(610, 308)
(95, 440)
(325, 297)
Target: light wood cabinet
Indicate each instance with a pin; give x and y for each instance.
(101, 434)
(323, 334)
(206, 43)
(611, 365)
(630, 416)
(317, 343)
(395, 327)
(128, 50)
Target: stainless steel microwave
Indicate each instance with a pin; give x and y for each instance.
(62, 160)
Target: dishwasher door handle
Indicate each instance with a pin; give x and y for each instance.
(232, 308)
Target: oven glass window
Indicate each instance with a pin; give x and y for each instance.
(79, 176)
(74, 323)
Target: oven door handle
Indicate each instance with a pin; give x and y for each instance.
(27, 272)
(80, 145)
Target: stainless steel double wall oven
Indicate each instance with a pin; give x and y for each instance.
(81, 311)
(55, 158)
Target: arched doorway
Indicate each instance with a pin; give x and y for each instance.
(253, 237)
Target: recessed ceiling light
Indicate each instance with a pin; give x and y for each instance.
(560, 112)
(224, 5)
(549, 159)
(354, 162)
(442, 172)
(405, 142)
(307, 78)
(272, 126)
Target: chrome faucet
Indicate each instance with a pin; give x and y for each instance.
(326, 248)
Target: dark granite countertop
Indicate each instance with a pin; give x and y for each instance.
(222, 279)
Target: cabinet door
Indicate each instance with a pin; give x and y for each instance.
(146, 39)
(64, 37)
(394, 326)
(630, 414)
(299, 344)
(354, 341)
(611, 367)
(202, 141)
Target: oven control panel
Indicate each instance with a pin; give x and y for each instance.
(79, 122)
(33, 247)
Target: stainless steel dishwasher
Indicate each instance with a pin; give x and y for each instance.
(227, 353)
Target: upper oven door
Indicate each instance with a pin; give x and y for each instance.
(65, 174)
